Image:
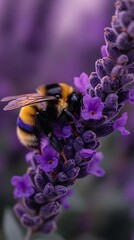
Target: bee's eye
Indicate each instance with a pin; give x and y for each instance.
(57, 96)
(74, 98)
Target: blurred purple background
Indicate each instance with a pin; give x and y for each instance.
(53, 41)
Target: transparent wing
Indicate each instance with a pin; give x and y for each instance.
(25, 100)
(9, 98)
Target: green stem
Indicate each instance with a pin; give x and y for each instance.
(28, 235)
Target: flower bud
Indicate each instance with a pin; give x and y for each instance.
(93, 145)
(31, 221)
(118, 71)
(110, 35)
(83, 171)
(69, 165)
(104, 130)
(123, 41)
(113, 51)
(100, 69)
(111, 101)
(126, 79)
(78, 144)
(30, 204)
(108, 64)
(106, 84)
(50, 209)
(60, 190)
(130, 6)
(48, 190)
(62, 177)
(19, 210)
(123, 59)
(94, 80)
(88, 136)
(72, 173)
(40, 179)
(39, 198)
(68, 151)
(79, 127)
(99, 92)
(125, 18)
(131, 29)
(116, 25)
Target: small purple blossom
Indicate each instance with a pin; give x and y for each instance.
(81, 83)
(29, 156)
(93, 108)
(120, 123)
(104, 51)
(94, 165)
(64, 199)
(87, 153)
(44, 142)
(62, 132)
(48, 161)
(23, 187)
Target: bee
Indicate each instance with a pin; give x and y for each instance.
(40, 110)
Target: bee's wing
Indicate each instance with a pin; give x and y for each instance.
(10, 98)
(25, 100)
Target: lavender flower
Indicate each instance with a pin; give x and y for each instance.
(93, 166)
(48, 160)
(119, 124)
(104, 95)
(93, 108)
(62, 132)
(81, 82)
(22, 186)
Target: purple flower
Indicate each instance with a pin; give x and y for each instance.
(81, 83)
(93, 108)
(48, 161)
(29, 156)
(64, 199)
(62, 132)
(86, 153)
(104, 51)
(23, 187)
(119, 124)
(44, 142)
(94, 165)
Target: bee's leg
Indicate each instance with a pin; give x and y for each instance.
(71, 120)
(47, 129)
(56, 143)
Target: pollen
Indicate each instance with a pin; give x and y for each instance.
(50, 161)
(92, 112)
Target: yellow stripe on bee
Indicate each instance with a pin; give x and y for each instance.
(28, 114)
(66, 90)
(25, 138)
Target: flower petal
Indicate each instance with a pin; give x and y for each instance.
(82, 82)
(49, 166)
(94, 166)
(119, 124)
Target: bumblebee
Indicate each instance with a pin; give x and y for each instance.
(40, 110)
